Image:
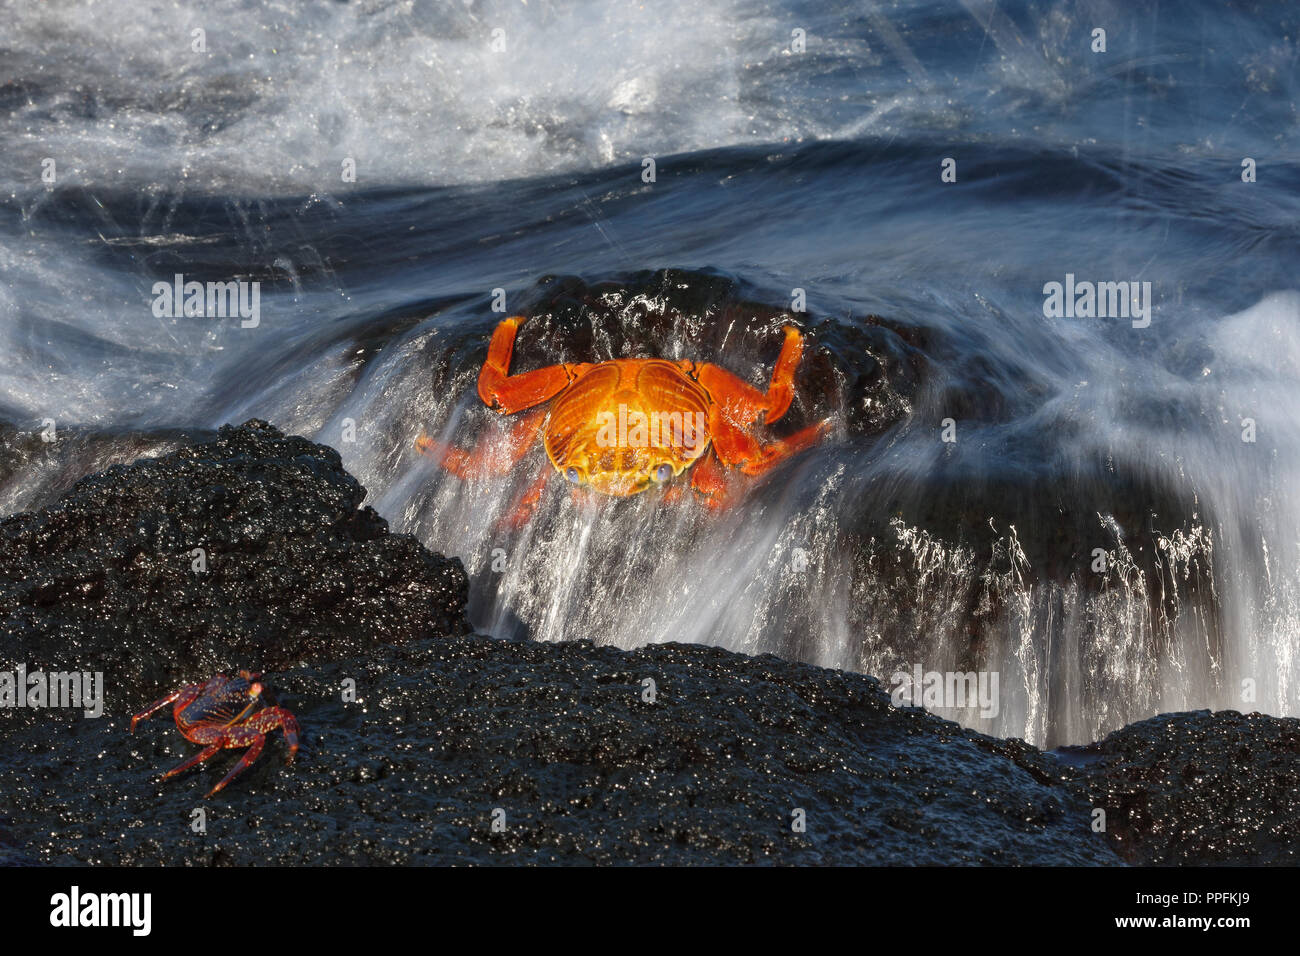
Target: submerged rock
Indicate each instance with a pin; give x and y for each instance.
(462, 748)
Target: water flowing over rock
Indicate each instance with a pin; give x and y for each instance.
(578, 753)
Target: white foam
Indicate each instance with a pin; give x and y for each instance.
(414, 93)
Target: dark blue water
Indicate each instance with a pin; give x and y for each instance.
(775, 170)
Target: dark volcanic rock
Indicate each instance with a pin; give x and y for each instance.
(1198, 787)
(559, 739)
(293, 566)
(450, 731)
(34, 473)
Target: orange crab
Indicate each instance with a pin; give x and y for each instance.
(624, 425)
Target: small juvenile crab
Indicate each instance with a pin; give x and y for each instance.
(225, 712)
(624, 425)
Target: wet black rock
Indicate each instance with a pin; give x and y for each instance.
(248, 550)
(1197, 787)
(462, 748)
(41, 463)
(560, 745)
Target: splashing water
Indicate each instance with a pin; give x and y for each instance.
(1112, 530)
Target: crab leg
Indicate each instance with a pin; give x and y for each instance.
(159, 704)
(741, 450)
(252, 734)
(737, 407)
(492, 457)
(525, 506)
(513, 393)
(741, 403)
(252, 753)
(268, 720)
(209, 751)
(710, 479)
(771, 454)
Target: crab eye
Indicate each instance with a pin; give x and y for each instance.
(572, 475)
(663, 472)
